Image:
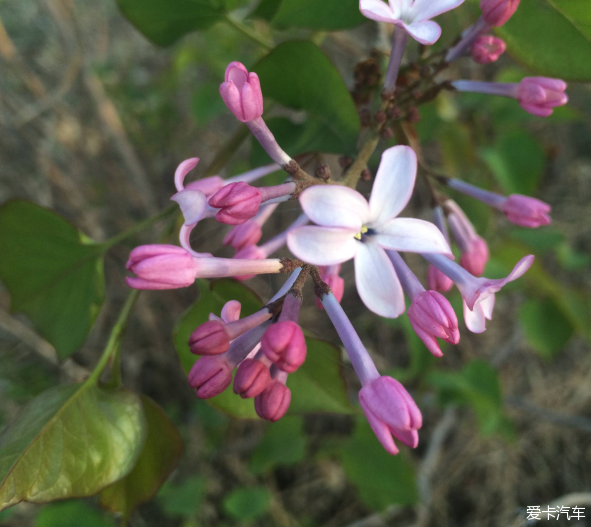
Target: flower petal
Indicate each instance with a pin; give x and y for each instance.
(426, 9)
(394, 184)
(231, 311)
(426, 32)
(332, 206)
(192, 203)
(377, 283)
(323, 245)
(183, 169)
(376, 10)
(411, 235)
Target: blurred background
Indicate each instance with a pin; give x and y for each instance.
(94, 120)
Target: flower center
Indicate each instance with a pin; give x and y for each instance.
(363, 230)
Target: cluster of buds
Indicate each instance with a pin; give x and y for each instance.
(260, 351)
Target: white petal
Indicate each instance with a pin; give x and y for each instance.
(487, 306)
(376, 10)
(323, 245)
(332, 206)
(192, 203)
(393, 185)
(377, 283)
(426, 32)
(427, 9)
(411, 235)
(475, 319)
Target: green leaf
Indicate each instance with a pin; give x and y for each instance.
(318, 385)
(52, 272)
(517, 162)
(266, 9)
(283, 444)
(328, 15)
(71, 441)
(312, 136)
(165, 21)
(552, 37)
(211, 300)
(546, 328)
(382, 479)
(298, 75)
(72, 514)
(185, 498)
(160, 455)
(247, 503)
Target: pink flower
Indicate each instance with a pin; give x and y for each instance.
(242, 92)
(539, 95)
(285, 345)
(252, 377)
(210, 376)
(391, 411)
(526, 211)
(330, 276)
(432, 317)
(497, 12)
(414, 16)
(350, 227)
(161, 267)
(274, 401)
(475, 257)
(487, 49)
(437, 281)
(238, 203)
(245, 235)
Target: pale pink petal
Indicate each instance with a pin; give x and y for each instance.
(411, 235)
(192, 203)
(427, 9)
(393, 185)
(426, 32)
(332, 206)
(231, 311)
(377, 283)
(474, 319)
(323, 245)
(183, 169)
(487, 305)
(377, 10)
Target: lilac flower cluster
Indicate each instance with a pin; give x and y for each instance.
(263, 349)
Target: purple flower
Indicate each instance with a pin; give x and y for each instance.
(242, 93)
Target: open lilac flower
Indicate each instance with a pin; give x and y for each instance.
(414, 16)
(350, 227)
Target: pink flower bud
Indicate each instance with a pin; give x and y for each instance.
(238, 203)
(244, 235)
(487, 49)
(432, 317)
(252, 377)
(210, 338)
(242, 93)
(497, 12)
(475, 257)
(391, 411)
(526, 211)
(539, 95)
(437, 281)
(161, 267)
(285, 345)
(210, 376)
(273, 402)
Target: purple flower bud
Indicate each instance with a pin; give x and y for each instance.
(539, 95)
(391, 411)
(252, 377)
(498, 12)
(432, 317)
(526, 211)
(242, 93)
(487, 49)
(273, 402)
(210, 376)
(437, 281)
(161, 267)
(284, 344)
(475, 257)
(210, 338)
(238, 203)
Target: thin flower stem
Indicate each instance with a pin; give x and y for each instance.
(354, 173)
(114, 338)
(253, 35)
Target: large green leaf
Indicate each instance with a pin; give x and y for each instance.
(247, 503)
(298, 75)
(165, 21)
(318, 385)
(382, 479)
(52, 272)
(71, 441)
(160, 455)
(73, 513)
(328, 15)
(552, 37)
